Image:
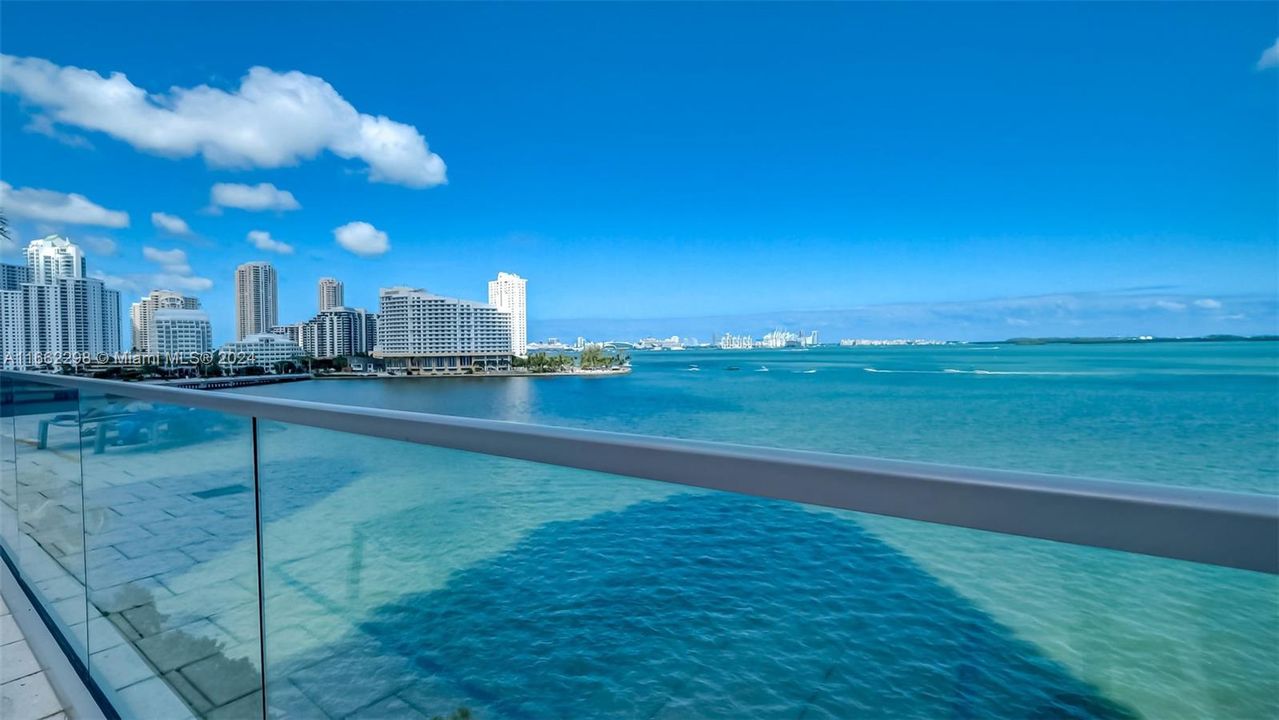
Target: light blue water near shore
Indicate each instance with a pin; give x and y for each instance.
(534, 592)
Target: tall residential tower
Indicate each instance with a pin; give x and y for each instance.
(507, 293)
(329, 293)
(256, 299)
(52, 306)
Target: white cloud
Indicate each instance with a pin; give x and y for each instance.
(1269, 57)
(271, 120)
(174, 261)
(56, 207)
(171, 224)
(362, 239)
(98, 244)
(181, 282)
(263, 196)
(175, 271)
(1208, 304)
(42, 125)
(1170, 305)
(118, 282)
(262, 240)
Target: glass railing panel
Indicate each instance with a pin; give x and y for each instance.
(8, 469)
(171, 529)
(445, 580)
(43, 500)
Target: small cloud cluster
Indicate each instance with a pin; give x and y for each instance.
(99, 244)
(255, 198)
(262, 240)
(273, 119)
(175, 270)
(1179, 305)
(56, 207)
(118, 282)
(42, 125)
(171, 224)
(1269, 57)
(362, 239)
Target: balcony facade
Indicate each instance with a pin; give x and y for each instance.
(197, 554)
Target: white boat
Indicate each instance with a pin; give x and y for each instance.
(762, 368)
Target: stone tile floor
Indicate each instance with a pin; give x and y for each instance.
(25, 692)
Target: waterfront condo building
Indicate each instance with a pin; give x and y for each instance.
(329, 294)
(53, 257)
(256, 299)
(142, 314)
(337, 331)
(52, 306)
(13, 276)
(181, 332)
(508, 293)
(418, 332)
(13, 335)
(13, 332)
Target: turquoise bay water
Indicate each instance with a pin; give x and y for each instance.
(1203, 414)
(527, 591)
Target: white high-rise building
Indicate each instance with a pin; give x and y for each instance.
(256, 299)
(142, 313)
(13, 332)
(329, 292)
(13, 276)
(336, 331)
(58, 308)
(508, 293)
(420, 332)
(53, 257)
(182, 332)
(72, 315)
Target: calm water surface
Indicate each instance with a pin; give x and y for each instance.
(527, 591)
(1191, 414)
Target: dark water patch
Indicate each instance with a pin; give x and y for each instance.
(707, 606)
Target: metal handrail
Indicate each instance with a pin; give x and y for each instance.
(1239, 530)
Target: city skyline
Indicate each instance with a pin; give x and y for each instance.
(1101, 184)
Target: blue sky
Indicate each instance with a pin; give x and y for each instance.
(962, 171)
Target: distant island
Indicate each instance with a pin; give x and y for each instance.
(1126, 340)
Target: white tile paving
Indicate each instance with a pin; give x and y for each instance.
(28, 698)
(16, 661)
(25, 692)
